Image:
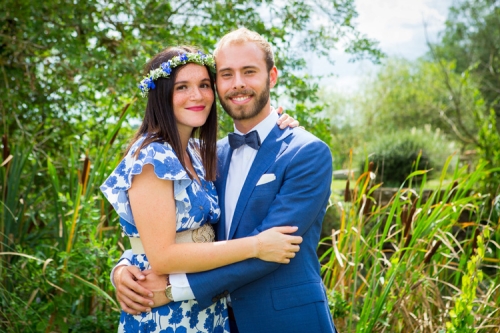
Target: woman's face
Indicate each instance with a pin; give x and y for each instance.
(193, 97)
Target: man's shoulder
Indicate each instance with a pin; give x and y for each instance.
(301, 137)
(222, 142)
(222, 145)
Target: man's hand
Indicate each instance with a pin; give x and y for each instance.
(157, 284)
(133, 297)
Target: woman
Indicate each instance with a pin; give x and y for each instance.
(166, 176)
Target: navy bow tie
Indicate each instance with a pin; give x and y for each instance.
(251, 139)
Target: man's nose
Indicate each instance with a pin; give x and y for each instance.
(239, 81)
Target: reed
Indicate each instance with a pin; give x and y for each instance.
(59, 238)
(399, 267)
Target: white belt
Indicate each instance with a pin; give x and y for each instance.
(203, 234)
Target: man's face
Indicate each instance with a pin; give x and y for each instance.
(243, 82)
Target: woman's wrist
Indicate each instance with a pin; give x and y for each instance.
(257, 245)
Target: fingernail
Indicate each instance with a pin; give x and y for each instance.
(151, 303)
(148, 310)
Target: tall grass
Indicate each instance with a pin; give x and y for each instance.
(399, 267)
(57, 238)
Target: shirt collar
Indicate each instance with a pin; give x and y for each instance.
(265, 126)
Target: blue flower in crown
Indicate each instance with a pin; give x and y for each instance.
(147, 84)
(202, 55)
(150, 83)
(166, 67)
(183, 57)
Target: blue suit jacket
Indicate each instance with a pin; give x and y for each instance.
(265, 296)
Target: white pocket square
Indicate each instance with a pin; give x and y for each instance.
(266, 178)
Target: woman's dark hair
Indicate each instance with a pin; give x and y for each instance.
(159, 123)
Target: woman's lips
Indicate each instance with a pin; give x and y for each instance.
(196, 108)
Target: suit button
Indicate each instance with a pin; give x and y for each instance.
(226, 293)
(214, 300)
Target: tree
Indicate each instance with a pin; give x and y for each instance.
(64, 63)
(472, 41)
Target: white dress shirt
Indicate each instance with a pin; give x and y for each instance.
(239, 166)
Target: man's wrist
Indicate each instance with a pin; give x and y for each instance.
(116, 273)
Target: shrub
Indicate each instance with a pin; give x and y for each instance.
(395, 155)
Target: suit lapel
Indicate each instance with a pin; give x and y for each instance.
(271, 148)
(224, 154)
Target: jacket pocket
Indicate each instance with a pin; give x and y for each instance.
(298, 295)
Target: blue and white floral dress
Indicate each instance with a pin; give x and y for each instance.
(196, 204)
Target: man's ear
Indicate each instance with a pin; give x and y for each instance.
(273, 77)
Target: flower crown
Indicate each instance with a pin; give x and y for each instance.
(165, 68)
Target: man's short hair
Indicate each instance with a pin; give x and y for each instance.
(243, 35)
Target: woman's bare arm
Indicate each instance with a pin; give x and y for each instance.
(153, 206)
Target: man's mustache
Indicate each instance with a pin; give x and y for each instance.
(240, 92)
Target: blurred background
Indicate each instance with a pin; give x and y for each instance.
(406, 94)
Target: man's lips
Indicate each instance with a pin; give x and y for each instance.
(240, 99)
(196, 108)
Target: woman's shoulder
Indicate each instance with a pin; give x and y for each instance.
(161, 156)
(150, 148)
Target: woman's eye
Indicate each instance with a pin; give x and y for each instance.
(205, 85)
(181, 87)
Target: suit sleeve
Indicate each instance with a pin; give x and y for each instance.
(301, 198)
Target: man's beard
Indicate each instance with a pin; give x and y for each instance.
(237, 112)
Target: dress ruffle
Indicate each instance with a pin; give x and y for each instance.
(166, 167)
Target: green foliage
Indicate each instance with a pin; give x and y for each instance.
(396, 155)
(313, 121)
(472, 40)
(339, 307)
(390, 260)
(489, 149)
(59, 240)
(462, 316)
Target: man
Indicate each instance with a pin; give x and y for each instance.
(284, 181)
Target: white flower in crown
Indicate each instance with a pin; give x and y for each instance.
(165, 68)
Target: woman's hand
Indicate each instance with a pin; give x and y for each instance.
(275, 245)
(133, 297)
(285, 120)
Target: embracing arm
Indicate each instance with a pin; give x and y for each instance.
(300, 201)
(153, 205)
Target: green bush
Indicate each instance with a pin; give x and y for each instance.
(395, 155)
